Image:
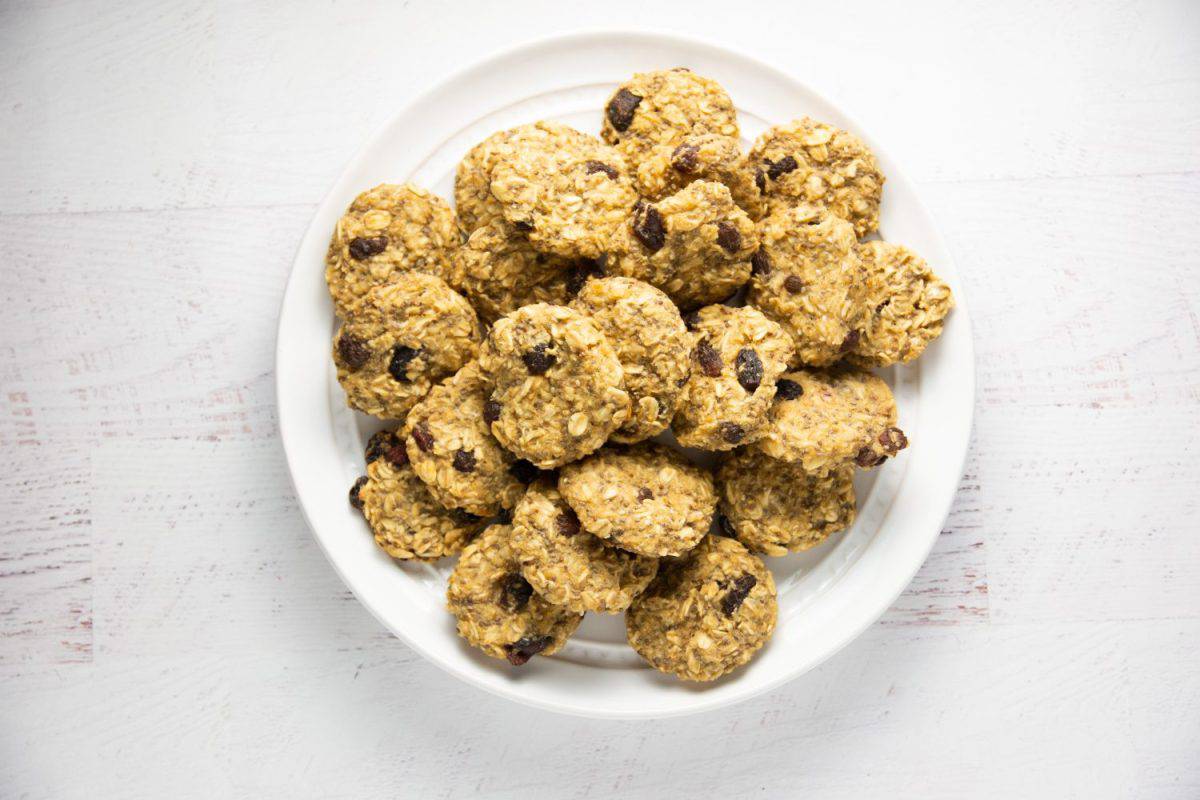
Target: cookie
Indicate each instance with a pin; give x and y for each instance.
(664, 107)
(695, 245)
(569, 196)
(452, 449)
(806, 161)
(647, 499)
(502, 272)
(737, 353)
(809, 278)
(558, 385)
(775, 508)
(387, 232)
(906, 306)
(705, 614)
(830, 419)
(569, 566)
(651, 342)
(667, 168)
(496, 608)
(401, 340)
(408, 523)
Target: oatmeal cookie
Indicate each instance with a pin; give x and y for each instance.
(808, 278)
(496, 608)
(408, 523)
(387, 232)
(647, 499)
(695, 245)
(705, 614)
(502, 272)
(452, 449)
(667, 168)
(737, 354)
(558, 385)
(664, 107)
(806, 161)
(906, 306)
(651, 342)
(401, 340)
(828, 419)
(775, 508)
(569, 196)
(569, 566)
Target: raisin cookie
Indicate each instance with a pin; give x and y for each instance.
(809, 278)
(825, 420)
(502, 272)
(569, 196)
(402, 339)
(569, 566)
(906, 306)
(651, 342)
(664, 107)
(668, 168)
(737, 354)
(558, 387)
(695, 245)
(389, 231)
(647, 499)
(806, 161)
(705, 614)
(408, 523)
(775, 508)
(496, 608)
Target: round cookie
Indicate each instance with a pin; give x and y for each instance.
(569, 196)
(651, 342)
(496, 608)
(387, 232)
(808, 278)
(401, 340)
(825, 420)
(454, 452)
(502, 272)
(775, 508)
(737, 354)
(667, 168)
(663, 107)
(558, 385)
(695, 245)
(404, 517)
(569, 566)
(647, 499)
(806, 161)
(906, 306)
(705, 614)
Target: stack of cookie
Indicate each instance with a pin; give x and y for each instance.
(595, 306)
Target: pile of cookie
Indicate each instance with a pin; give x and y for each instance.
(590, 299)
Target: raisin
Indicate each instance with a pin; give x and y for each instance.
(567, 523)
(523, 471)
(379, 443)
(353, 351)
(686, 158)
(648, 227)
(780, 167)
(515, 592)
(362, 247)
(523, 225)
(491, 411)
(520, 651)
(788, 389)
(760, 180)
(867, 458)
(850, 342)
(464, 461)
(537, 360)
(733, 600)
(893, 440)
(749, 369)
(644, 494)
(726, 527)
(600, 166)
(731, 432)
(793, 284)
(760, 263)
(398, 366)
(355, 500)
(396, 455)
(422, 436)
(729, 237)
(708, 358)
(621, 107)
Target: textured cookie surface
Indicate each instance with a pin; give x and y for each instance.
(502, 272)
(647, 498)
(667, 168)
(705, 614)
(402, 339)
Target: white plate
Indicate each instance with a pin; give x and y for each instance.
(827, 596)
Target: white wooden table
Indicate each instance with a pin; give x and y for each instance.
(168, 627)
